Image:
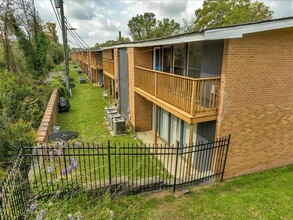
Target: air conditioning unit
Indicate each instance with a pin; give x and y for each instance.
(118, 125)
(112, 117)
(108, 108)
(111, 112)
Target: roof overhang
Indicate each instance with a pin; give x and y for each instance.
(229, 32)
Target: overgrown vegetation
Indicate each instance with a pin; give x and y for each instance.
(30, 49)
(36, 50)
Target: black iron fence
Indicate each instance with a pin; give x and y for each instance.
(123, 169)
(14, 192)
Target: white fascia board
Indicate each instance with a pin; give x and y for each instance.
(172, 40)
(239, 31)
(213, 34)
(164, 41)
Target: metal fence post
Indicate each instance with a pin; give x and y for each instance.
(109, 162)
(23, 154)
(176, 165)
(225, 159)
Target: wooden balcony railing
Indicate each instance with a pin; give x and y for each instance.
(188, 94)
(85, 58)
(108, 66)
(93, 62)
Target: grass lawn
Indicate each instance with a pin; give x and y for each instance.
(266, 195)
(86, 115)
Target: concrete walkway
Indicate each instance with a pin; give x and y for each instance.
(167, 155)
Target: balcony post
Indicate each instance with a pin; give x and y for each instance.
(156, 127)
(193, 95)
(156, 74)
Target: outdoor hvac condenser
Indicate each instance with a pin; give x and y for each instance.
(108, 108)
(118, 125)
(112, 117)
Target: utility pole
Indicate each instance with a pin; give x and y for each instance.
(59, 3)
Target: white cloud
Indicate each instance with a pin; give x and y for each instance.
(281, 8)
(100, 20)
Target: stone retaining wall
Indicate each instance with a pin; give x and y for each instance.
(49, 118)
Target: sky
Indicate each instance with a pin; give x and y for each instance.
(97, 21)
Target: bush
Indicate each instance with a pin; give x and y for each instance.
(58, 83)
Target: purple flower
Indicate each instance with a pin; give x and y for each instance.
(73, 163)
(49, 169)
(69, 169)
(63, 172)
(33, 207)
(41, 215)
(78, 144)
(49, 182)
(70, 217)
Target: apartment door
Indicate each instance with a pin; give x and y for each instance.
(123, 82)
(157, 59)
(164, 125)
(203, 159)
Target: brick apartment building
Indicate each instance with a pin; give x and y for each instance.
(194, 87)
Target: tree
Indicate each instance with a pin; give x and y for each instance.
(166, 27)
(216, 13)
(109, 43)
(32, 40)
(5, 34)
(142, 26)
(146, 26)
(50, 30)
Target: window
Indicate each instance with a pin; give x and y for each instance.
(167, 60)
(194, 61)
(179, 59)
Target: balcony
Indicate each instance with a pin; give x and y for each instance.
(108, 68)
(95, 64)
(191, 97)
(85, 58)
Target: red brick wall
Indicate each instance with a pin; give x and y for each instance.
(143, 113)
(49, 118)
(256, 102)
(130, 58)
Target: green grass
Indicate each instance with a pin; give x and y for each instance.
(266, 195)
(86, 115)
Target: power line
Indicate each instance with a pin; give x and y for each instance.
(56, 14)
(74, 36)
(76, 39)
(70, 27)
